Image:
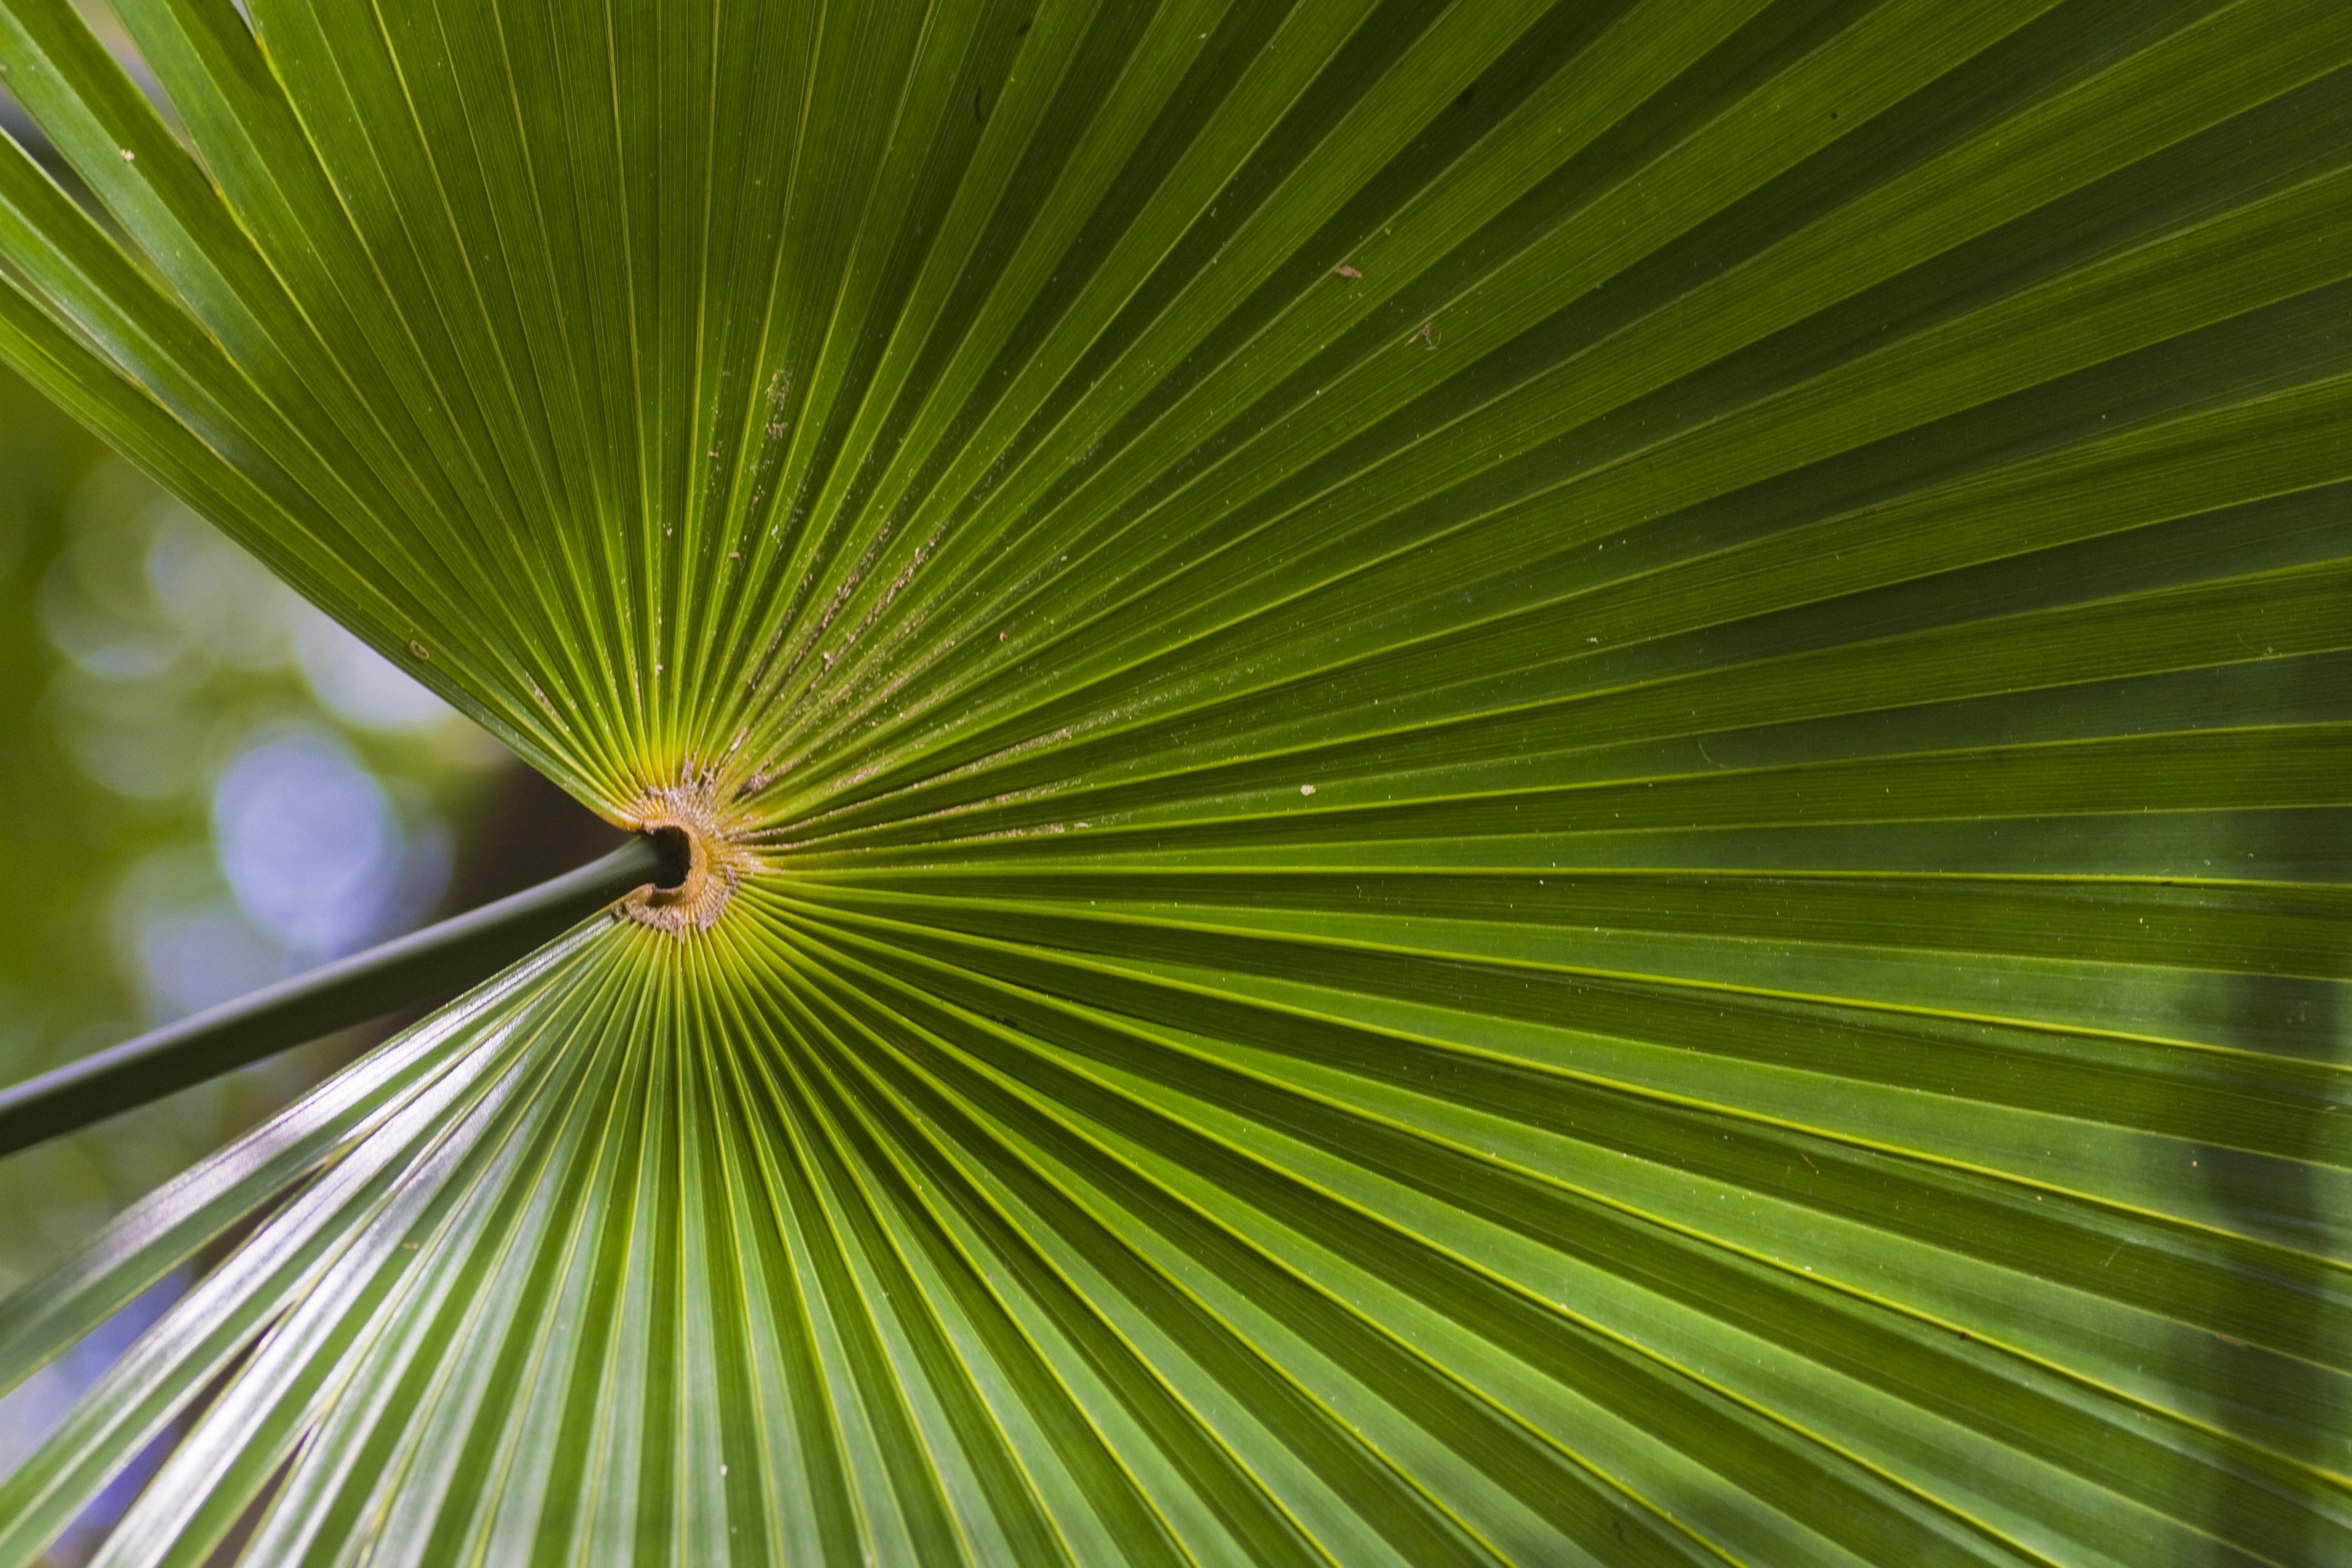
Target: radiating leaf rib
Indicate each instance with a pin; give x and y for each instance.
(1465, 1308)
(215, 1327)
(260, 1419)
(1228, 1492)
(395, 1423)
(48, 1314)
(1877, 1362)
(2306, 67)
(1340, 1458)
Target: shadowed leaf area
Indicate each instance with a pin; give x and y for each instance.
(1473, 784)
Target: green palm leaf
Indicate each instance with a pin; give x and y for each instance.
(1473, 782)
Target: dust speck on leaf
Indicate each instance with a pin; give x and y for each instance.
(1344, 270)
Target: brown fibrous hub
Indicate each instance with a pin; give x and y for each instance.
(717, 862)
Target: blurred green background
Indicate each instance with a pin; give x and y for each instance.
(205, 784)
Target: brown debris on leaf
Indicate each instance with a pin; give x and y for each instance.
(718, 862)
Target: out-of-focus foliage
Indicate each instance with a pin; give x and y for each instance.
(177, 730)
(62, 990)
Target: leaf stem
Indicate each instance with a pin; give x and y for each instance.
(433, 962)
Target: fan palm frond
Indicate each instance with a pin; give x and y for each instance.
(1471, 782)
